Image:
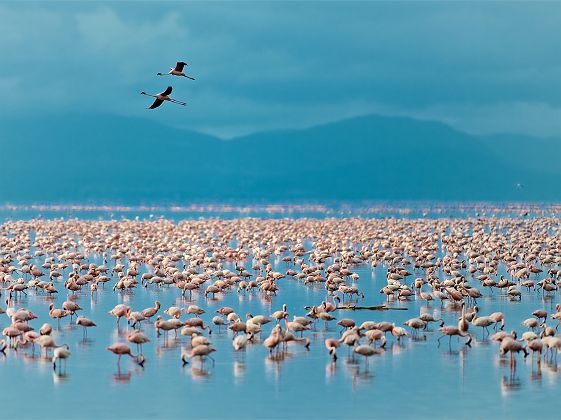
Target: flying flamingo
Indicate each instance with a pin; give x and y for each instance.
(161, 97)
(177, 71)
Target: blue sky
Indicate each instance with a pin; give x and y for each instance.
(481, 67)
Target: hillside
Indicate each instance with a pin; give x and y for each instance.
(117, 159)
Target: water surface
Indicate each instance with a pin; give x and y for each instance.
(414, 378)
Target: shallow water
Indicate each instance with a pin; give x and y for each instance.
(414, 378)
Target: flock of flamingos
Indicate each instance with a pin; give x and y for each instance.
(164, 96)
(441, 262)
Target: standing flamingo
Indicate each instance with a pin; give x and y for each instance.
(121, 349)
(61, 353)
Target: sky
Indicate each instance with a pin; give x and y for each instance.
(482, 67)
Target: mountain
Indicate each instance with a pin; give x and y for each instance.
(102, 158)
(536, 154)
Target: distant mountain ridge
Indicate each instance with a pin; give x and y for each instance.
(113, 159)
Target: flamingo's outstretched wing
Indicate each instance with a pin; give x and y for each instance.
(156, 104)
(167, 91)
(179, 66)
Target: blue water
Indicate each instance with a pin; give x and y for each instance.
(413, 379)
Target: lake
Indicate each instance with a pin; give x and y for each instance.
(415, 378)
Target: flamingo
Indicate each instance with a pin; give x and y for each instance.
(161, 97)
(46, 329)
(121, 349)
(139, 338)
(164, 325)
(200, 351)
(219, 321)
(119, 311)
(367, 351)
(290, 338)
(46, 342)
(85, 323)
(450, 330)
(150, 312)
(71, 307)
(57, 313)
(376, 335)
(280, 315)
(331, 344)
(511, 345)
(274, 339)
(63, 353)
(177, 71)
(240, 341)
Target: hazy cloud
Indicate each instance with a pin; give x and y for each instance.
(482, 67)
